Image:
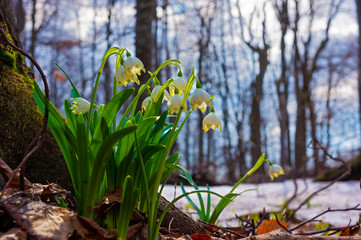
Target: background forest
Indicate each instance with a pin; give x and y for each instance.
(284, 72)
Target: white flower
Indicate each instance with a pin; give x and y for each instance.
(145, 103)
(80, 105)
(179, 83)
(122, 77)
(212, 121)
(133, 66)
(175, 103)
(200, 99)
(155, 91)
(275, 170)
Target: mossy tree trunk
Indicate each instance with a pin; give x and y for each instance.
(20, 120)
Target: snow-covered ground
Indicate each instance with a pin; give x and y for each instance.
(271, 195)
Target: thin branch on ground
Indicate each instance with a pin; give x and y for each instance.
(35, 144)
(355, 208)
(222, 228)
(335, 229)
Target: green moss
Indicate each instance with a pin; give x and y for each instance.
(11, 57)
(20, 121)
(7, 59)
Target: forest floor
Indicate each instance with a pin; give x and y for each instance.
(272, 195)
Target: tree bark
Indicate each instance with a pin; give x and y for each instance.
(20, 119)
(358, 11)
(282, 86)
(144, 38)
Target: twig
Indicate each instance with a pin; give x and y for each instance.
(280, 224)
(355, 208)
(35, 144)
(346, 173)
(337, 229)
(222, 228)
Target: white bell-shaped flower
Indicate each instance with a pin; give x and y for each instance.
(175, 103)
(145, 103)
(179, 83)
(212, 121)
(80, 105)
(275, 170)
(122, 77)
(133, 67)
(155, 91)
(200, 99)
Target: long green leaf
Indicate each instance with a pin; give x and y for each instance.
(223, 203)
(107, 116)
(102, 159)
(71, 117)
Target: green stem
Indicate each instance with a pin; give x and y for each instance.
(143, 170)
(259, 163)
(153, 209)
(107, 54)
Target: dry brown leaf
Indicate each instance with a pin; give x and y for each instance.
(90, 230)
(40, 220)
(107, 202)
(6, 172)
(14, 234)
(269, 226)
(134, 229)
(198, 236)
(350, 231)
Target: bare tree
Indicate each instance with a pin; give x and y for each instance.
(358, 11)
(144, 36)
(305, 66)
(108, 76)
(281, 7)
(261, 49)
(36, 27)
(204, 38)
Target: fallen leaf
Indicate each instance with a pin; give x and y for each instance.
(134, 229)
(269, 226)
(350, 231)
(107, 202)
(40, 220)
(90, 230)
(211, 228)
(198, 236)
(6, 172)
(345, 231)
(14, 233)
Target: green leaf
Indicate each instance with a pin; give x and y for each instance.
(191, 202)
(102, 159)
(62, 133)
(129, 200)
(74, 93)
(82, 149)
(70, 116)
(158, 128)
(107, 116)
(223, 203)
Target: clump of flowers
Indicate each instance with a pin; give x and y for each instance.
(129, 157)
